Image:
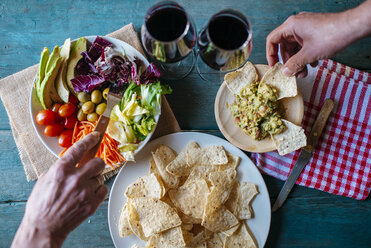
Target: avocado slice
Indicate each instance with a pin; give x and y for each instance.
(42, 65)
(52, 58)
(60, 81)
(78, 47)
(47, 90)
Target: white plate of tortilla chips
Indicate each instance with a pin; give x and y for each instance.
(189, 189)
(289, 97)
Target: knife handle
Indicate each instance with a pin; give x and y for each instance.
(101, 128)
(319, 124)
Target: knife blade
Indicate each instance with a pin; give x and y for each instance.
(306, 153)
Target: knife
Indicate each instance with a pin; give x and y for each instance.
(306, 152)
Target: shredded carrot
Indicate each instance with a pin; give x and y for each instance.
(108, 150)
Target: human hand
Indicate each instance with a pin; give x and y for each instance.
(63, 198)
(308, 37)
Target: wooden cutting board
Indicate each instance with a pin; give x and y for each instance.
(294, 111)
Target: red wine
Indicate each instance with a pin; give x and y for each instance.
(228, 32)
(167, 24)
(222, 43)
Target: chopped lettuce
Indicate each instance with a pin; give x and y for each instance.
(132, 120)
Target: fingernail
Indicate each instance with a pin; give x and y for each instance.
(96, 134)
(287, 71)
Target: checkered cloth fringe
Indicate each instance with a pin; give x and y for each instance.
(341, 163)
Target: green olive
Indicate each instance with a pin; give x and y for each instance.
(96, 96)
(83, 96)
(100, 108)
(105, 92)
(88, 107)
(81, 116)
(92, 117)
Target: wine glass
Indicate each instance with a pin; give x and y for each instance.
(168, 37)
(224, 44)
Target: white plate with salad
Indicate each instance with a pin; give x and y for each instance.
(70, 90)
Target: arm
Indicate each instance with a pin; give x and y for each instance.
(62, 198)
(308, 37)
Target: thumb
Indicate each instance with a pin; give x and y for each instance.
(296, 63)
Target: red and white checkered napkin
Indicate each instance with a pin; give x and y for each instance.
(341, 163)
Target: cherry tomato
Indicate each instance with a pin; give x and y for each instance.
(53, 130)
(65, 138)
(66, 110)
(56, 107)
(69, 122)
(73, 99)
(45, 117)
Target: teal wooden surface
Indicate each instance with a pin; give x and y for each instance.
(310, 218)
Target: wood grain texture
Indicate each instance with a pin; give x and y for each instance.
(309, 218)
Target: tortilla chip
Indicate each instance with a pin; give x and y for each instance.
(285, 85)
(231, 231)
(233, 162)
(154, 216)
(239, 201)
(162, 157)
(124, 227)
(291, 139)
(153, 168)
(186, 226)
(201, 172)
(194, 154)
(169, 239)
(241, 238)
(214, 155)
(188, 219)
(222, 178)
(146, 186)
(222, 185)
(134, 222)
(238, 79)
(200, 238)
(220, 220)
(215, 241)
(137, 246)
(191, 197)
(179, 166)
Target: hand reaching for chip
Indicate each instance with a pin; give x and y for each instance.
(308, 37)
(62, 198)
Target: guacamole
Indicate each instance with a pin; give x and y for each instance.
(257, 111)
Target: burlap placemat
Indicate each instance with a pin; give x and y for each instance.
(15, 93)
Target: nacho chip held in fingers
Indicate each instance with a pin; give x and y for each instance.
(291, 139)
(238, 79)
(285, 85)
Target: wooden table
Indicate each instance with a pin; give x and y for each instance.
(309, 218)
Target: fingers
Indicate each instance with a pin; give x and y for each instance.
(92, 168)
(75, 152)
(296, 63)
(276, 37)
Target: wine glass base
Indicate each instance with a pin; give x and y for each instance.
(207, 73)
(177, 70)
